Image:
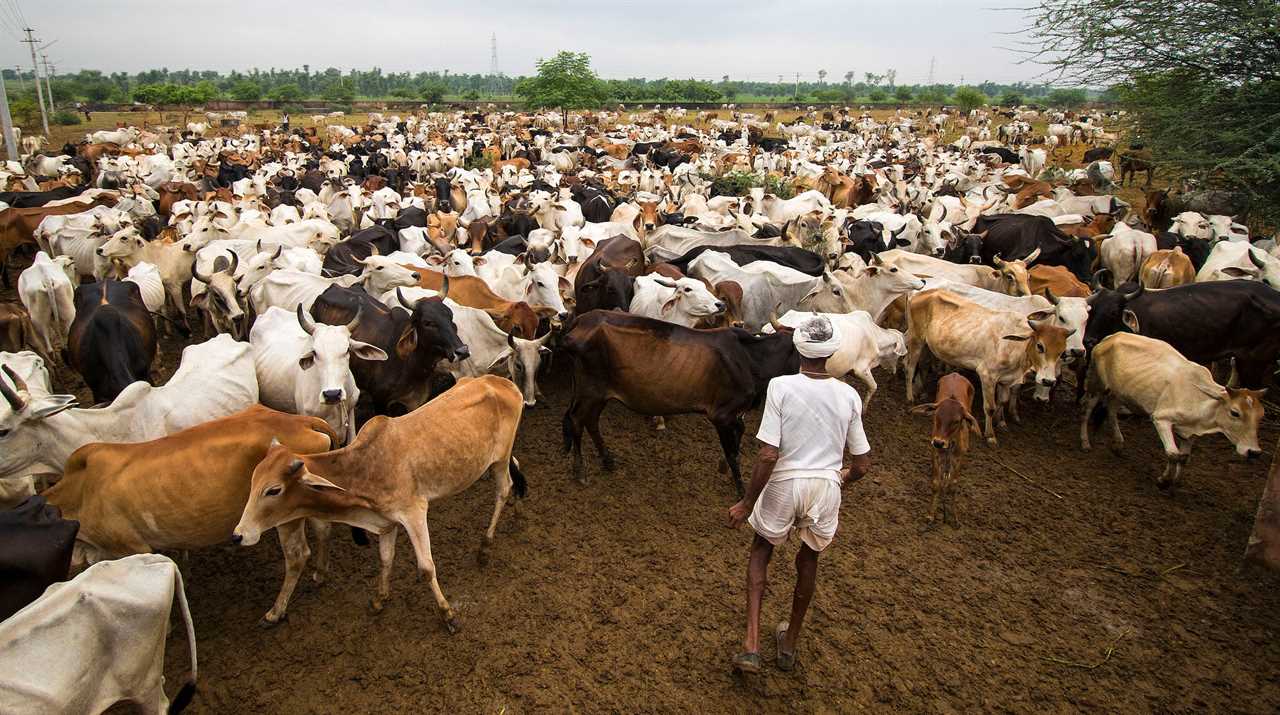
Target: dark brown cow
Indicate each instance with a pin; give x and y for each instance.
(619, 252)
(112, 340)
(953, 420)
(35, 551)
(16, 331)
(658, 368)
(18, 226)
(173, 192)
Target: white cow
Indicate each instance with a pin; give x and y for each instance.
(1181, 397)
(96, 640)
(147, 277)
(1237, 259)
(863, 345)
(685, 301)
(172, 263)
(289, 289)
(47, 290)
(304, 367)
(215, 379)
(1124, 252)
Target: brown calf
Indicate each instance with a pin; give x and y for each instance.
(953, 420)
(1059, 281)
(515, 317)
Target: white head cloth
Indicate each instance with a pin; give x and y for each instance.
(816, 338)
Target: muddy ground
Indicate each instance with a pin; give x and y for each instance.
(1072, 583)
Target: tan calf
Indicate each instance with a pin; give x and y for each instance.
(393, 471)
(1167, 268)
(952, 421)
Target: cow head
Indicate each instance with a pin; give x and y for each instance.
(326, 365)
(1044, 347)
(383, 273)
(691, 297)
(430, 327)
(523, 358)
(20, 444)
(1107, 309)
(542, 288)
(1237, 412)
(1012, 275)
(122, 244)
(220, 297)
(281, 490)
(950, 420)
(1190, 224)
(258, 267)
(1072, 314)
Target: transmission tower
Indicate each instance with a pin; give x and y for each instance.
(933, 61)
(494, 72)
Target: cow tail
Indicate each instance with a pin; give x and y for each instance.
(188, 689)
(519, 484)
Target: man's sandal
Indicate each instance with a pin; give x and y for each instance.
(747, 663)
(786, 661)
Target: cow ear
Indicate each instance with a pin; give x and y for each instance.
(925, 409)
(407, 343)
(564, 284)
(973, 424)
(319, 483)
(1130, 320)
(1015, 338)
(479, 260)
(199, 301)
(671, 303)
(435, 259)
(902, 242)
(306, 361)
(365, 351)
(588, 243)
(52, 405)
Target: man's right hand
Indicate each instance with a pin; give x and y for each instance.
(738, 514)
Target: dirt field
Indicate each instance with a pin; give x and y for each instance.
(627, 594)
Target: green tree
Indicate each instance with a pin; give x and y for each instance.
(433, 91)
(1010, 99)
(343, 90)
(289, 92)
(246, 90)
(565, 82)
(1200, 80)
(98, 91)
(1067, 97)
(471, 95)
(877, 95)
(968, 98)
(902, 93)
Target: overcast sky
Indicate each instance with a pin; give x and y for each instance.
(704, 39)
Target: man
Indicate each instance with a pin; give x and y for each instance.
(810, 422)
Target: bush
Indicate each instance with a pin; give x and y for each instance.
(287, 93)
(877, 95)
(479, 161)
(1011, 99)
(739, 183)
(471, 95)
(65, 118)
(969, 98)
(246, 90)
(25, 111)
(902, 94)
(433, 91)
(292, 108)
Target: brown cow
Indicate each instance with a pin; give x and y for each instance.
(515, 317)
(1167, 268)
(953, 420)
(392, 473)
(16, 331)
(172, 192)
(1058, 280)
(1026, 191)
(186, 490)
(1098, 225)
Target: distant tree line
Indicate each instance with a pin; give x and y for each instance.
(193, 87)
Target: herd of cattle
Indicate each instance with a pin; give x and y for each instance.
(361, 290)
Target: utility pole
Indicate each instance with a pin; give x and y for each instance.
(6, 123)
(35, 69)
(22, 86)
(933, 61)
(797, 92)
(48, 87)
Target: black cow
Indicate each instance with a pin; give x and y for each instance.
(1197, 249)
(516, 219)
(1015, 236)
(613, 289)
(1008, 156)
(345, 257)
(33, 199)
(865, 238)
(1097, 154)
(597, 203)
(963, 247)
(414, 337)
(112, 340)
(798, 258)
(1206, 322)
(444, 194)
(35, 547)
(409, 216)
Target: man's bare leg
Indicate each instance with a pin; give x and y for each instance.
(757, 577)
(806, 578)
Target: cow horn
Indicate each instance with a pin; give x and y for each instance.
(279, 250)
(305, 321)
(403, 302)
(901, 228)
(1096, 284)
(355, 322)
(444, 289)
(1048, 294)
(295, 466)
(1253, 258)
(511, 341)
(1130, 296)
(195, 271)
(14, 398)
(235, 263)
(258, 246)
(997, 261)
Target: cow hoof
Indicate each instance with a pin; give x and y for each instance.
(992, 441)
(317, 577)
(267, 621)
(375, 606)
(452, 624)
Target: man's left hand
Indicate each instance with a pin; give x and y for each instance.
(738, 514)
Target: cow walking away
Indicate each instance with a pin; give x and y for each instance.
(953, 420)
